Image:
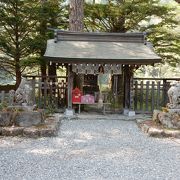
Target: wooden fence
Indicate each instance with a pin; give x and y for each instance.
(4, 97)
(48, 91)
(51, 92)
(151, 93)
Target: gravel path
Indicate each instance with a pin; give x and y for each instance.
(91, 150)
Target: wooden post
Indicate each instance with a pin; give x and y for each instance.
(127, 78)
(158, 95)
(131, 105)
(135, 95)
(164, 92)
(152, 94)
(147, 95)
(2, 96)
(115, 85)
(70, 87)
(33, 90)
(141, 96)
(39, 93)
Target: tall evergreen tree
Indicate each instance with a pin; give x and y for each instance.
(137, 15)
(23, 33)
(16, 33)
(48, 14)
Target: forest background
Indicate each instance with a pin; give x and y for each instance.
(25, 26)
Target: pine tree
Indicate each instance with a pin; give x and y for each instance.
(138, 15)
(16, 33)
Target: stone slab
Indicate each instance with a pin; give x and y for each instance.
(131, 113)
(154, 130)
(12, 131)
(125, 112)
(31, 132)
(27, 119)
(50, 128)
(69, 112)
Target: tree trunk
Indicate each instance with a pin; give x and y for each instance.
(18, 74)
(76, 15)
(43, 29)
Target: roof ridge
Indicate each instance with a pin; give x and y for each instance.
(60, 35)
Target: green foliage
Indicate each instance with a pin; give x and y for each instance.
(51, 109)
(16, 32)
(48, 14)
(23, 32)
(122, 16)
(139, 15)
(24, 27)
(167, 45)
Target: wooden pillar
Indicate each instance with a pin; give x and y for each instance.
(165, 89)
(52, 74)
(128, 87)
(131, 106)
(70, 86)
(115, 85)
(33, 90)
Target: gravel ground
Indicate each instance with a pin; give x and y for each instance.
(91, 150)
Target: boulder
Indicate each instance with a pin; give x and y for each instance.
(169, 120)
(5, 119)
(27, 119)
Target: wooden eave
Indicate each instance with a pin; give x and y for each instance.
(119, 48)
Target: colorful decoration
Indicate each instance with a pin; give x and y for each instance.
(94, 68)
(76, 95)
(87, 99)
